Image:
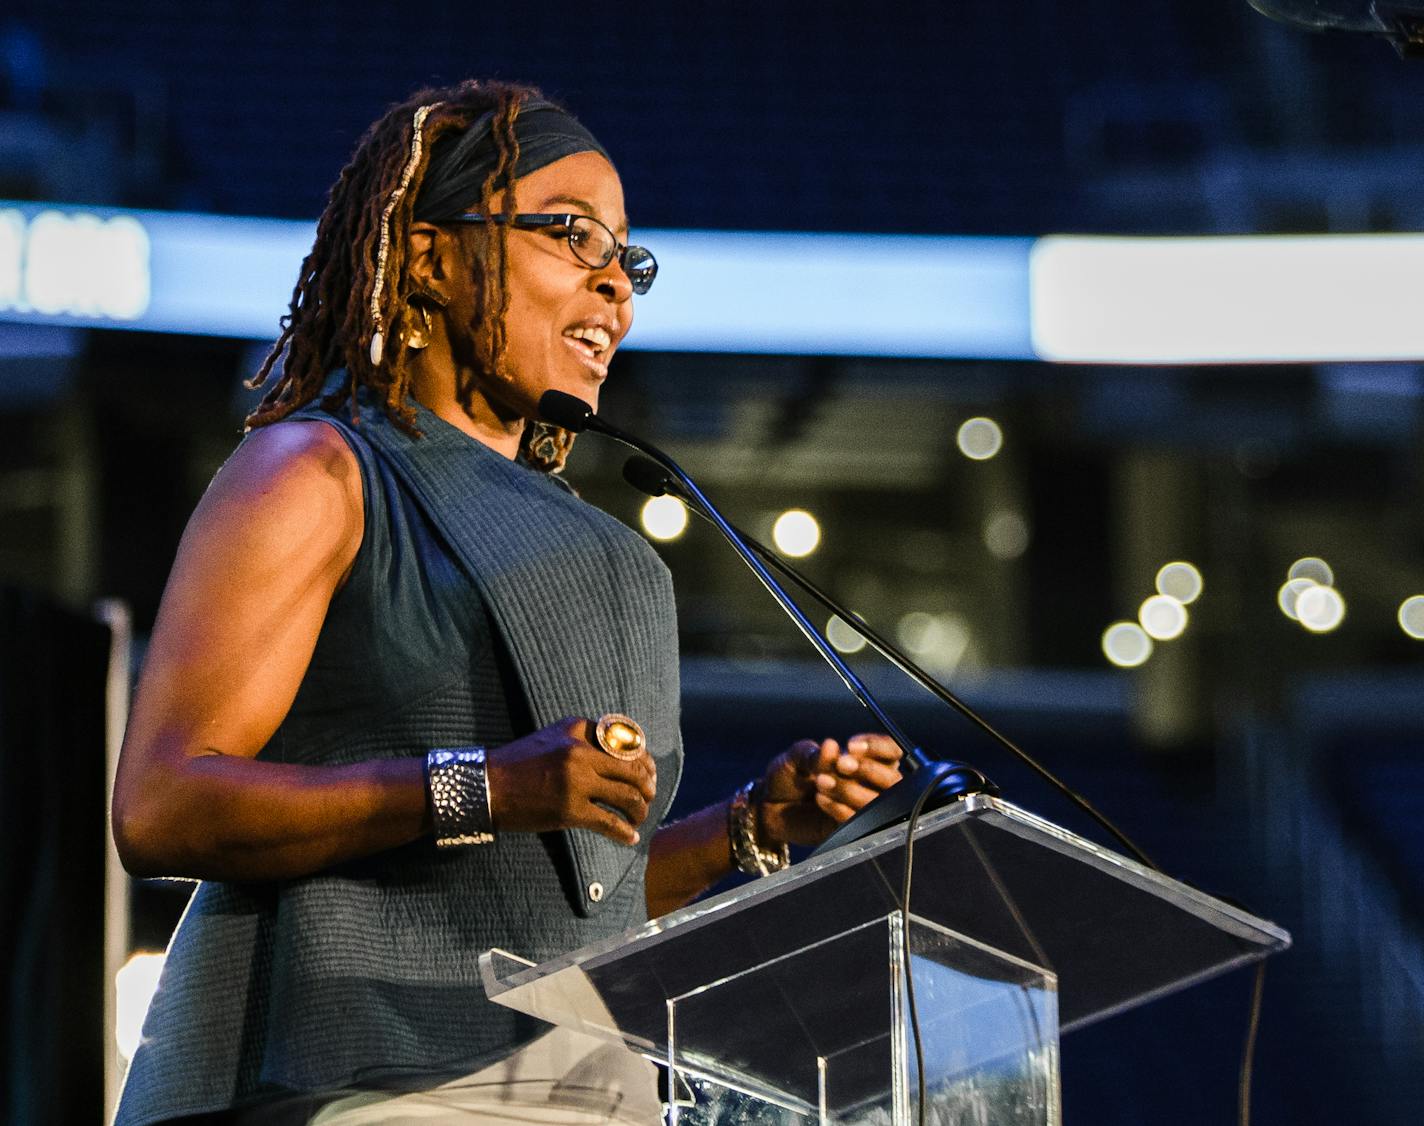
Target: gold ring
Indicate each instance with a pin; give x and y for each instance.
(620, 736)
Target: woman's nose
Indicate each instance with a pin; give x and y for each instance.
(612, 282)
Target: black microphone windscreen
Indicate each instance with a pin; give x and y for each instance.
(647, 476)
(565, 410)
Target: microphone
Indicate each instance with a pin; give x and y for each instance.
(568, 411)
(929, 779)
(648, 477)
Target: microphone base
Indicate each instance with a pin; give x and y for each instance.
(947, 781)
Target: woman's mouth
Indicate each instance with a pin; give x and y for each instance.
(592, 345)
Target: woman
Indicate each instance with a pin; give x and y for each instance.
(389, 621)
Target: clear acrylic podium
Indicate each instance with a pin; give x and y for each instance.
(790, 999)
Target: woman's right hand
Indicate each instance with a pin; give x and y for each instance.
(558, 778)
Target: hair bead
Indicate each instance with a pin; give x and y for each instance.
(417, 144)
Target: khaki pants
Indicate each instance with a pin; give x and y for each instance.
(562, 1077)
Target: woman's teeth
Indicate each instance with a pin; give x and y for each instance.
(594, 339)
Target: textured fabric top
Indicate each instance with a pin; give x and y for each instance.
(486, 601)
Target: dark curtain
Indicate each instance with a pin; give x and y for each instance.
(53, 663)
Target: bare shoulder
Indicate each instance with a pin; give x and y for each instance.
(265, 551)
(295, 456)
(294, 485)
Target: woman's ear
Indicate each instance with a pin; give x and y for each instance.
(428, 264)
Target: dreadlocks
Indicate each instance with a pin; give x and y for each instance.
(353, 284)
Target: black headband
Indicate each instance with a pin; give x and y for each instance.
(459, 164)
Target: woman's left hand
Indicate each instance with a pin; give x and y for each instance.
(812, 787)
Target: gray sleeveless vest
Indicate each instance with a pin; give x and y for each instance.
(486, 601)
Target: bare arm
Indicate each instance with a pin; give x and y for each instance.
(807, 791)
(686, 858)
(268, 547)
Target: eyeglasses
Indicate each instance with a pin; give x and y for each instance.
(593, 243)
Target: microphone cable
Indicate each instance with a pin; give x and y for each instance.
(648, 477)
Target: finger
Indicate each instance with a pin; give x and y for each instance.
(875, 746)
(826, 754)
(804, 756)
(625, 798)
(879, 775)
(837, 811)
(609, 824)
(640, 772)
(847, 791)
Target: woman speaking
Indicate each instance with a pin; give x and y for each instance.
(408, 697)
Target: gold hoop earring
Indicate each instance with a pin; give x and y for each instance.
(417, 336)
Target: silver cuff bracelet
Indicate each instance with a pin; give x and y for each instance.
(457, 788)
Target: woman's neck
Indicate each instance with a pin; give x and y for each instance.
(484, 420)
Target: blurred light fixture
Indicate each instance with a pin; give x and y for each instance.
(664, 518)
(1181, 581)
(844, 636)
(134, 987)
(1289, 595)
(1411, 616)
(1313, 568)
(796, 533)
(1006, 534)
(1162, 617)
(1320, 608)
(1126, 644)
(980, 438)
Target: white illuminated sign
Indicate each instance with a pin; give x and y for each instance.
(1249, 299)
(1075, 299)
(74, 263)
(725, 291)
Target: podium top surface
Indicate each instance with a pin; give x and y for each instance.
(1114, 933)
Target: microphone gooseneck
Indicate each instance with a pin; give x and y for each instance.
(947, 779)
(648, 477)
(574, 414)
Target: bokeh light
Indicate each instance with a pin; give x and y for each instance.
(844, 636)
(1313, 568)
(134, 987)
(1126, 644)
(938, 641)
(1320, 608)
(914, 630)
(1162, 617)
(796, 533)
(1290, 593)
(664, 518)
(980, 438)
(1006, 534)
(1411, 616)
(1180, 580)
